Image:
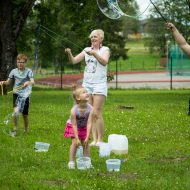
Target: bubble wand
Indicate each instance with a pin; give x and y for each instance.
(16, 89)
(158, 11)
(111, 9)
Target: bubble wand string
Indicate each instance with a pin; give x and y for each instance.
(61, 37)
(44, 29)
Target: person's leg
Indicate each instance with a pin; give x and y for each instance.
(73, 149)
(15, 119)
(86, 150)
(87, 154)
(94, 129)
(25, 115)
(15, 113)
(98, 103)
(97, 100)
(72, 153)
(25, 118)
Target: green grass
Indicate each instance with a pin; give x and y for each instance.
(137, 62)
(139, 59)
(158, 131)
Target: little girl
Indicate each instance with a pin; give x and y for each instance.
(78, 126)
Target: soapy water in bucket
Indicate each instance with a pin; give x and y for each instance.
(83, 163)
(114, 9)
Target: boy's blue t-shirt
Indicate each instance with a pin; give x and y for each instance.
(20, 78)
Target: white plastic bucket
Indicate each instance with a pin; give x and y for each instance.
(118, 143)
(41, 147)
(113, 165)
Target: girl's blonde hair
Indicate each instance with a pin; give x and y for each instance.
(99, 32)
(76, 92)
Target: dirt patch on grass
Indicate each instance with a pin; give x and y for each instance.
(169, 160)
(123, 176)
(125, 107)
(179, 159)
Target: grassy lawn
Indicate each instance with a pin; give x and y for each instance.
(137, 62)
(139, 59)
(158, 131)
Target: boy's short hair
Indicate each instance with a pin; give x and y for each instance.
(22, 56)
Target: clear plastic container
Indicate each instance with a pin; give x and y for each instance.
(83, 163)
(79, 152)
(113, 165)
(41, 147)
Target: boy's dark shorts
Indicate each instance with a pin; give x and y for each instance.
(26, 105)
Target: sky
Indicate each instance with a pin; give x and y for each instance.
(143, 4)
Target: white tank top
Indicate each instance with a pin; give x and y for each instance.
(94, 72)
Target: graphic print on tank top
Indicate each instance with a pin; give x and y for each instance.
(91, 64)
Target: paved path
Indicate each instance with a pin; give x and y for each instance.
(155, 80)
(127, 80)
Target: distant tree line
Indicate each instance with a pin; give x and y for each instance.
(21, 24)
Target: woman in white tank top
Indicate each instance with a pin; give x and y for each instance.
(95, 78)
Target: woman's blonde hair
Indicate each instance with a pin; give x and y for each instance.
(99, 32)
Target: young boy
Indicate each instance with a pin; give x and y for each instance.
(21, 78)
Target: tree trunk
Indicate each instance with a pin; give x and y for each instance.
(7, 45)
(9, 31)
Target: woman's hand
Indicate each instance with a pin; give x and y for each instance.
(170, 26)
(92, 52)
(68, 50)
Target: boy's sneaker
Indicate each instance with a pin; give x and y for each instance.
(13, 133)
(71, 165)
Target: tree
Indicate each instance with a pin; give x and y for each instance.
(77, 25)
(58, 16)
(13, 15)
(172, 11)
(74, 28)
